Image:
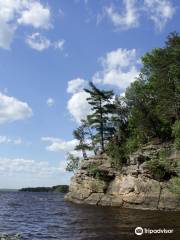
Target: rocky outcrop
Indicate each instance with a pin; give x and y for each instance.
(97, 183)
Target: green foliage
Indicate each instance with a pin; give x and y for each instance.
(93, 170)
(150, 110)
(101, 107)
(162, 168)
(154, 98)
(58, 188)
(80, 135)
(116, 154)
(133, 143)
(175, 185)
(176, 133)
(72, 163)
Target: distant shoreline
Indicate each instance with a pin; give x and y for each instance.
(8, 190)
(58, 188)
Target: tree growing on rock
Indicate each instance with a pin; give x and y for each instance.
(101, 106)
(72, 163)
(80, 135)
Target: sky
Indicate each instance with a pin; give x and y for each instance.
(49, 50)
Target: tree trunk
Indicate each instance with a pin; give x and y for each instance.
(101, 127)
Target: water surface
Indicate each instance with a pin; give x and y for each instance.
(48, 216)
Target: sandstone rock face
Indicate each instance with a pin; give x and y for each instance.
(132, 187)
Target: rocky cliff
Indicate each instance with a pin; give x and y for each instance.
(98, 183)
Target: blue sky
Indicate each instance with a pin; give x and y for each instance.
(49, 50)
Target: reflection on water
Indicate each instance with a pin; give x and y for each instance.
(47, 216)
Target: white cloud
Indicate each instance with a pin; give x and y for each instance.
(119, 68)
(117, 77)
(76, 85)
(129, 18)
(32, 167)
(7, 140)
(12, 109)
(78, 106)
(119, 58)
(36, 15)
(40, 43)
(13, 13)
(59, 145)
(50, 102)
(10, 8)
(160, 11)
(6, 34)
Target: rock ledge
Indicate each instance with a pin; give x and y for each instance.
(133, 187)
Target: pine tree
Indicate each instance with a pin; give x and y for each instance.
(90, 137)
(119, 118)
(101, 106)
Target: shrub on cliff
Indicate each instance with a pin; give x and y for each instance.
(93, 170)
(163, 168)
(176, 133)
(72, 163)
(116, 154)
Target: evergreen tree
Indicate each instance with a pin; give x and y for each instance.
(119, 118)
(101, 106)
(90, 135)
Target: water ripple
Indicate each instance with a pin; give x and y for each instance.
(45, 216)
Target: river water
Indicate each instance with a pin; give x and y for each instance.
(48, 216)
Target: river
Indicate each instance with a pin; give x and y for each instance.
(47, 216)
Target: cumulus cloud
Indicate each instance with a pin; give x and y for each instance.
(12, 109)
(10, 8)
(39, 42)
(160, 12)
(14, 13)
(8, 140)
(129, 18)
(78, 106)
(59, 145)
(32, 167)
(50, 102)
(36, 15)
(76, 85)
(120, 68)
